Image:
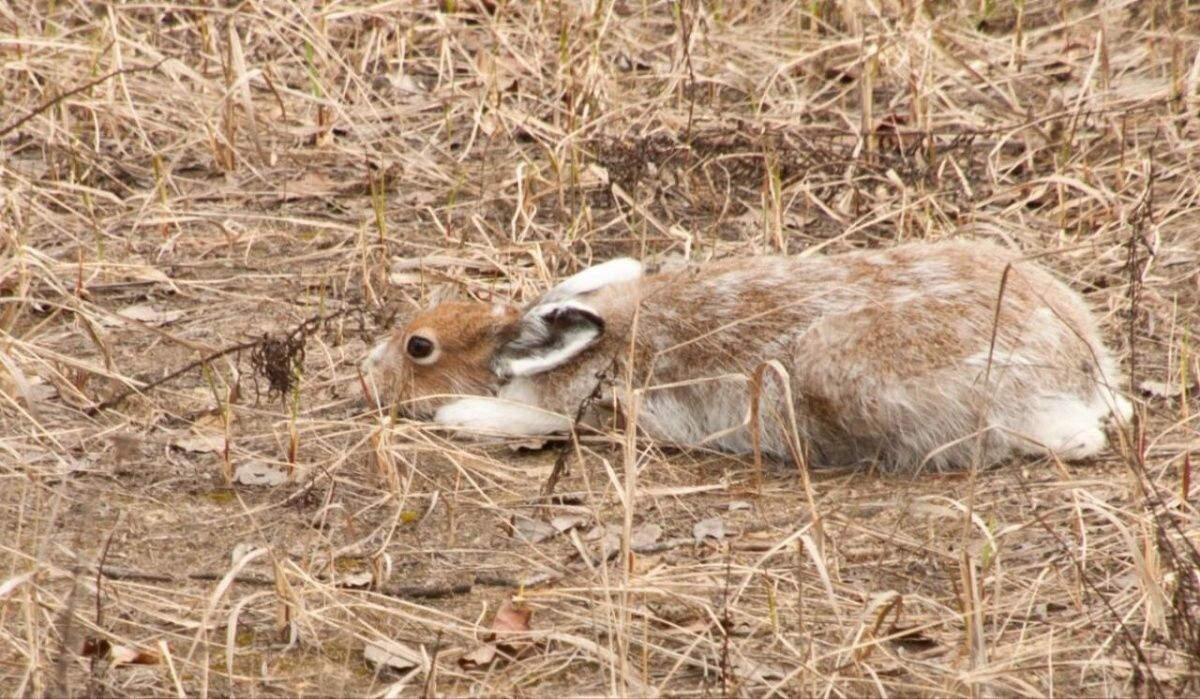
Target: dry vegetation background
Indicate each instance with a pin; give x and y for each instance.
(208, 212)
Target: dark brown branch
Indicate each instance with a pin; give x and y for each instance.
(405, 591)
(303, 329)
(75, 91)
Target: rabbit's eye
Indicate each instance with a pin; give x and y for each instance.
(419, 347)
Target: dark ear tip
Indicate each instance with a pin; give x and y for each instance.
(568, 316)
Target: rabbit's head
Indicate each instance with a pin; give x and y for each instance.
(469, 349)
(441, 353)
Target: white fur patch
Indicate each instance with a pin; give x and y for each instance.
(500, 417)
(622, 269)
(1067, 426)
(544, 344)
(375, 356)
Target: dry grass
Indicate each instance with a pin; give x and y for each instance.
(179, 181)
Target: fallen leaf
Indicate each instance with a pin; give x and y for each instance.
(747, 669)
(914, 641)
(117, 654)
(1160, 389)
(146, 273)
(643, 564)
(40, 391)
(312, 184)
(532, 530)
(510, 619)
(565, 523)
(259, 473)
(711, 528)
(124, 655)
(481, 657)
(738, 505)
(528, 444)
(609, 535)
(355, 581)
(394, 655)
(200, 443)
(209, 423)
(645, 536)
(145, 313)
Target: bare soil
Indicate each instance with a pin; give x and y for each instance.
(209, 213)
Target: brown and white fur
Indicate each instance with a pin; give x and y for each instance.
(896, 355)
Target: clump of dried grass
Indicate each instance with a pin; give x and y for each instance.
(180, 181)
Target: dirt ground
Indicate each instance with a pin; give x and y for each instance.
(209, 213)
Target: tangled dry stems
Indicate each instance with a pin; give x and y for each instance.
(180, 181)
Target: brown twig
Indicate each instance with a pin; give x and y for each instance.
(75, 91)
(301, 330)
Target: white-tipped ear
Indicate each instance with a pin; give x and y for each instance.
(622, 269)
(548, 336)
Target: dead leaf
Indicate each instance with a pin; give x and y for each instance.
(313, 184)
(738, 505)
(40, 391)
(117, 654)
(146, 273)
(643, 564)
(124, 655)
(394, 655)
(356, 581)
(565, 523)
(528, 444)
(145, 313)
(259, 473)
(532, 530)
(1160, 389)
(479, 658)
(747, 669)
(405, 84)
(914, 642)
(510, 619)
(711, 528)
(645, 536)
(200, 443)
(609, 535)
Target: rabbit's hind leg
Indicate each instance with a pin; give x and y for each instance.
(1064, 424)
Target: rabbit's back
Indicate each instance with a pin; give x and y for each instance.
(899, 354)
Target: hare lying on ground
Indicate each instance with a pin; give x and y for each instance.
(898, 355)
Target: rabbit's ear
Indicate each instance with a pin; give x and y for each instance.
(622, 269)
(546, 337)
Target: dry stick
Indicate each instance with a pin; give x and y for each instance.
(420, 591)
(122, 395)
(93, 666)
(75, 91)
(304, 328)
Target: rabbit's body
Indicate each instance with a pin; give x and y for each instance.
(894, 354)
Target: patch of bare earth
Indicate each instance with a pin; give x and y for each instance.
(207, 214)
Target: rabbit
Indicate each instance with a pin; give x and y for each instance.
(921, 356)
